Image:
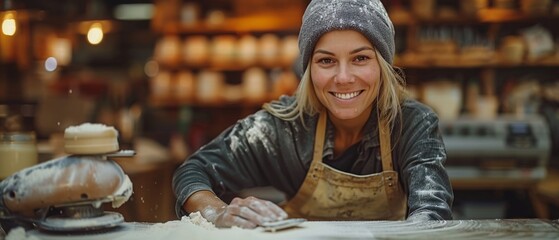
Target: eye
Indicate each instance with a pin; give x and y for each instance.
(325, 61)
(362, 58)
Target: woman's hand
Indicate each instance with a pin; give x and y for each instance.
(247, 213)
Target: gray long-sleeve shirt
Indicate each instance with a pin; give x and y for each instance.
(263, 150)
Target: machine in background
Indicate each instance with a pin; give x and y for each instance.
(507, 147)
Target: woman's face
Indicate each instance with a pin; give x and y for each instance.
(345, 73)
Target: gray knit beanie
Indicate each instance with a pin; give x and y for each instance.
(366, 16)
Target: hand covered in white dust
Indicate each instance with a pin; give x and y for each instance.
(248, 213)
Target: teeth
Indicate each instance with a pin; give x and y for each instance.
(346, 96)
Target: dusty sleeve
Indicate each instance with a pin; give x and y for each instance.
(240, 157)
(424, 177)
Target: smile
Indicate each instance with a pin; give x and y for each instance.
(346, 96)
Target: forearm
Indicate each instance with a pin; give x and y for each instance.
(429, 192)
(424, 177)
(205, 202)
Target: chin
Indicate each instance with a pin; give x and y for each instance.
(345, 114)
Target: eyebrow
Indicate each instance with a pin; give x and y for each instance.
(352, 52)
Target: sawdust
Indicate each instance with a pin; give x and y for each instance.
(192, 227)
(19, 234)
(197, 219)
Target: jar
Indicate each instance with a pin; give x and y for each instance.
(210, 86)
(255, 84)
(18, 150)
(513, 50)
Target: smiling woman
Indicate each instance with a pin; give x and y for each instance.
(346, 76)
(349, 145)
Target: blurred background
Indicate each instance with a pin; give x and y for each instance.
(172, 74)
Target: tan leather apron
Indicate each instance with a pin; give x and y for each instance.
(330, 194)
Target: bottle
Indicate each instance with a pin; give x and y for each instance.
(18, 150)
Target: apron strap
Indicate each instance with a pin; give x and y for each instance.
(385, 146)
(397, 199)
(311, 179)
(319, 138)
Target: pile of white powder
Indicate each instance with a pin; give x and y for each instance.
(192, 227)
(197, 219)
(19, 234)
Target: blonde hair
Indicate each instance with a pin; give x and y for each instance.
(391, 93)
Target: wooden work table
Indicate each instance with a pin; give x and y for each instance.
(456, 230)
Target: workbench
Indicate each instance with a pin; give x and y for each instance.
(455, 230)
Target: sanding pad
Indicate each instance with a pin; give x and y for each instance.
(90, 138)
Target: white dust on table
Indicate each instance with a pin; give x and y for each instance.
(197, 219)
(192, 227)
(19, 234)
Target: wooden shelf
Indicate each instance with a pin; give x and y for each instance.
(172, 103)
(504, 16)
(486, 16)
(235, 65)
(477, 65)
(239, 25)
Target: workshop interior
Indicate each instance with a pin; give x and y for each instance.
(170, 75)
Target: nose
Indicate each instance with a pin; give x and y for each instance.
(343, 74)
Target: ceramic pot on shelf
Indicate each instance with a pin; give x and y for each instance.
(18, 150)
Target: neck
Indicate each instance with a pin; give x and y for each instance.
(348, 132)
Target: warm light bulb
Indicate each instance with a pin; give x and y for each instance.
(51, 64)
(9, 25)
(151, 68)
(95, 34)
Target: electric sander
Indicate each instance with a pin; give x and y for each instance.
(66, 194)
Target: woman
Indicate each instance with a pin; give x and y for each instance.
(348, 146)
